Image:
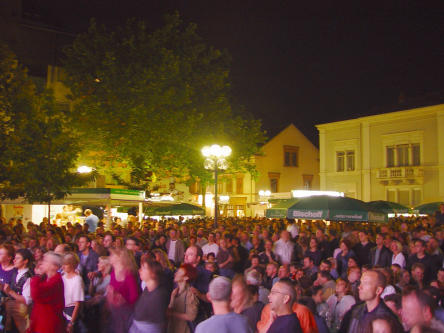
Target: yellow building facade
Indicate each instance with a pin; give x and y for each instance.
(288, 161)
(397, 156)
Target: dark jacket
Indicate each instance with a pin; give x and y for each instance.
(385, 257)
(363, 252)
(90, 265)
(357, 319)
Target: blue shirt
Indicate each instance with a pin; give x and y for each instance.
(226, 323)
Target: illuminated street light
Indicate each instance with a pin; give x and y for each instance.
(216, 160)
(84, 169)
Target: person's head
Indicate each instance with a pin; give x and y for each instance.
(394, 302)
(173, 234)
(417, 308)
(123, 259)
(271, 269)
(268, 245)
(352, 262)
(418, 272)
(384, 323)
(7, 253)
(308, 262)
(23, 258)
(255, 261)
(193, 255)
(282, 296)
(363, 237)
(51, 262)
(342, 287)
(239, 294)
(313, 243)
(108, 241)
(84, 243)
(345, 246)
(420, 247)
(211, 237)
(285, 235)
(432, 245)
(325, 266)
(283, 272)
(379, 239)
(219, 290)
(316, 294)
(396, 247)
(254, 278)
(70, 262)
(186, 273)
(354, 274)
(132, 244)
(372, 285)
(150, 270)
(323, 277)
(440, 275)
(104, 265)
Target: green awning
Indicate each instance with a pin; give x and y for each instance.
(323, 207)
(428, 208)
(174, 210)
(279, 208)
(388, 207)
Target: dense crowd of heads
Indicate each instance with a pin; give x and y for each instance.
(264, 275)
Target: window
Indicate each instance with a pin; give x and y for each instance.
(239, 185)
(220, 186)
(195, 188)
(390, 157)
(291, 158)
(339, 161)
(274, 181)
(350, 160)
(230, 185)
(274, 185)
(403, 155)
(416, 197)
(307, 179)
(416, 158)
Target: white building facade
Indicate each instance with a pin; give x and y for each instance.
(397, 156)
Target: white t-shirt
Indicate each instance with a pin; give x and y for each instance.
(208, 248)
(172, 250)
(73, 290)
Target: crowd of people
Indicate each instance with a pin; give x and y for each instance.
(245, 275)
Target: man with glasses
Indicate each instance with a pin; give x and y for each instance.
(282, 318)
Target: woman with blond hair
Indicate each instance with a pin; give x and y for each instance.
(398, 256)
(122, 291)
(73, 289)
(339, 304)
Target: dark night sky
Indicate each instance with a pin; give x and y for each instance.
(301, 62)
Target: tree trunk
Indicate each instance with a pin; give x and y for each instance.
(49, 212)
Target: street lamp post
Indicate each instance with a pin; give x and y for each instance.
(215, 159)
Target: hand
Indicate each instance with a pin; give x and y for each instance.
(70, 327)
(6, 288)
(38, 270)
(92, 275)
(195, 291)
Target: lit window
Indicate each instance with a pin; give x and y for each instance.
(339, 161)
(350, 154)
(291, 158)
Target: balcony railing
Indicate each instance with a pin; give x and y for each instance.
(409, 173)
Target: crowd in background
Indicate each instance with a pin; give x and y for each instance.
(246, 275)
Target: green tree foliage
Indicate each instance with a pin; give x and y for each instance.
(37, 150)
(154, 99)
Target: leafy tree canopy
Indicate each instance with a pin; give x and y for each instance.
(154, 99)
(37, 150)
